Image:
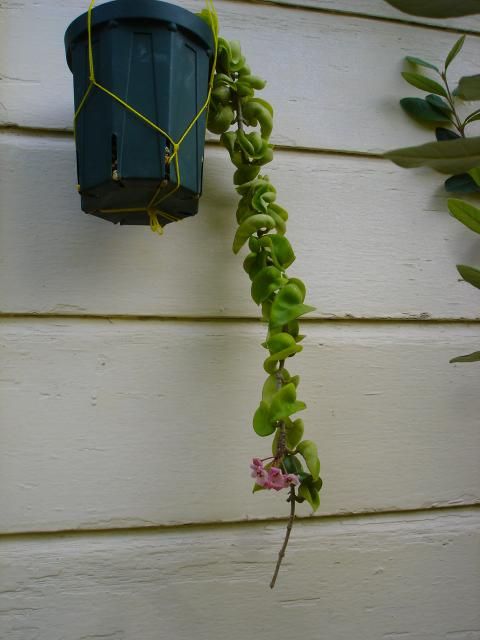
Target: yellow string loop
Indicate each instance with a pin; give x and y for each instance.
(151, 208)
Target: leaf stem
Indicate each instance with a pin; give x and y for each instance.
(281, 554)
(458, 124)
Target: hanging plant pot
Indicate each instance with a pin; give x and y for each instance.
(137, 89)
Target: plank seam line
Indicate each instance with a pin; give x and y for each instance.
(442, 511)
(42, 132)
(409, 22)
(233, 319)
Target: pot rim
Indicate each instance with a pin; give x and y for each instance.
(140, 9)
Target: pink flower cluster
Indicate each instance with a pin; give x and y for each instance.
(272, 478)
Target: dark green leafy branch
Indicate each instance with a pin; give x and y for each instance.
(294, 462)
(437, 8)
(453, 152)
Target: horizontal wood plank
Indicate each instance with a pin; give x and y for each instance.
(371, 240)
(411, 577)
(380, 9)
(333, 79)
(118, 423)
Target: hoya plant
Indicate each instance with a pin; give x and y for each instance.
(244, 123)
(454, 152)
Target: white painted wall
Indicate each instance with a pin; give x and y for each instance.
(131, 364)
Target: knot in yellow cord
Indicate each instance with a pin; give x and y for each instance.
(176, 147)
(155, 225)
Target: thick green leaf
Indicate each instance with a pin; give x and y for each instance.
(285, 403)
(308, 450)
(424, 83)
(288, 305)
(454, 51)
(265, 283)
(250, 226)
(462, 183)
(294, 433)
(469, 88)
(471, 357)
(282, 251)
(465, 213)
(449, 156)
(281, 346)
(420, 109)
(437, 8)
(292, 464)
(445, 134)
(310, 494)
(438, 103)
(421, 63)
(272, 385)
(469, 274)
(261, 421)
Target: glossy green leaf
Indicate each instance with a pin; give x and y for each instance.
(285, 403)
(254, 263)
(294, 433)
(445, 134)
(454, 51)
(308, 450)
(469, 88)
(439, 103)
(420, 109)
(421, 63)
(262, 424)
(461, 183)
(450, 156)
(424, 83)
(437, 8)
(250, 226)
(465, 213)
(292, 464)
(469, 274)
(281, 346)
(282, 251)
(471, 357)
(288, 305)
(272, 385)
(310, 494)
(266, 282)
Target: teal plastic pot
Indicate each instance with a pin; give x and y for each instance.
(157, 58)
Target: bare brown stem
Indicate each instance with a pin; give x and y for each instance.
(281, 553)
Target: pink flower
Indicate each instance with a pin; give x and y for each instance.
(275, 479)
(291, 479)
(258, 472)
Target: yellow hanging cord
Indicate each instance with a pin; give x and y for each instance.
(152, 207)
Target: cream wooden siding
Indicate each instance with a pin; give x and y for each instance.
(131, 364)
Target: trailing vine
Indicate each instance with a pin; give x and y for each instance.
(294, 463)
